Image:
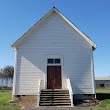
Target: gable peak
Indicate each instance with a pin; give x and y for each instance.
(54, 9)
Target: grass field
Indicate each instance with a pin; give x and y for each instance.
(5, 96)
(104, 95)
(101, 90)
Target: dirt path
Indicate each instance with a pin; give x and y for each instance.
(59, 108)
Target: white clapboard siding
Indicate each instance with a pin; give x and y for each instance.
(54, 37)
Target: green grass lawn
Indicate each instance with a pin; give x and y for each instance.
(105, 103)
(101, 90)
(5, 96)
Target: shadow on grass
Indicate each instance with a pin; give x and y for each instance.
(103, 96)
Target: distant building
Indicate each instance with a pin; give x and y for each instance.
(102, 82)
(6, 83)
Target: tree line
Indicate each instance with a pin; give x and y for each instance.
(7, 73)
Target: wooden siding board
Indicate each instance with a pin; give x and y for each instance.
(53, 37)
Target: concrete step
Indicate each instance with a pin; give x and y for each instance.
(46, 99)
(55, 104)
(56, 97)
(53, 90)
(45, 92)
(55, 101)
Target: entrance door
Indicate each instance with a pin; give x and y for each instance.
(54, 77)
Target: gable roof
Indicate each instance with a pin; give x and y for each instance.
(86, 38)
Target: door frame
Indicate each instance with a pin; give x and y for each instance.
(61, 64)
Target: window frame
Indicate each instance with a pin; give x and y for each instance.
(54, 61)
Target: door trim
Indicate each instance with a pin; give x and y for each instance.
(50, 82)
(61, 64)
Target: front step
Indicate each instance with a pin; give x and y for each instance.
(57, 97)
(55, 104)
(56, 101)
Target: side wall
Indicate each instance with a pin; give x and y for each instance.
(54, 37)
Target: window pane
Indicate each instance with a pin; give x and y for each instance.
(50, 61)
(57, 60)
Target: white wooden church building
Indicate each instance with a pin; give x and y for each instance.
(54, 54)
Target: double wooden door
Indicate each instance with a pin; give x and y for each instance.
(54, 80)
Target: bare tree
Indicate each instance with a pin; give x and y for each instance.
(8, 72)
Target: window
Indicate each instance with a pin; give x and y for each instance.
(53, 61)
(57, 61)
(50, 61)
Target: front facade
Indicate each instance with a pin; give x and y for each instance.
(52, 51)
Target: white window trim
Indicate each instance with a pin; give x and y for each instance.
(54, 62)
